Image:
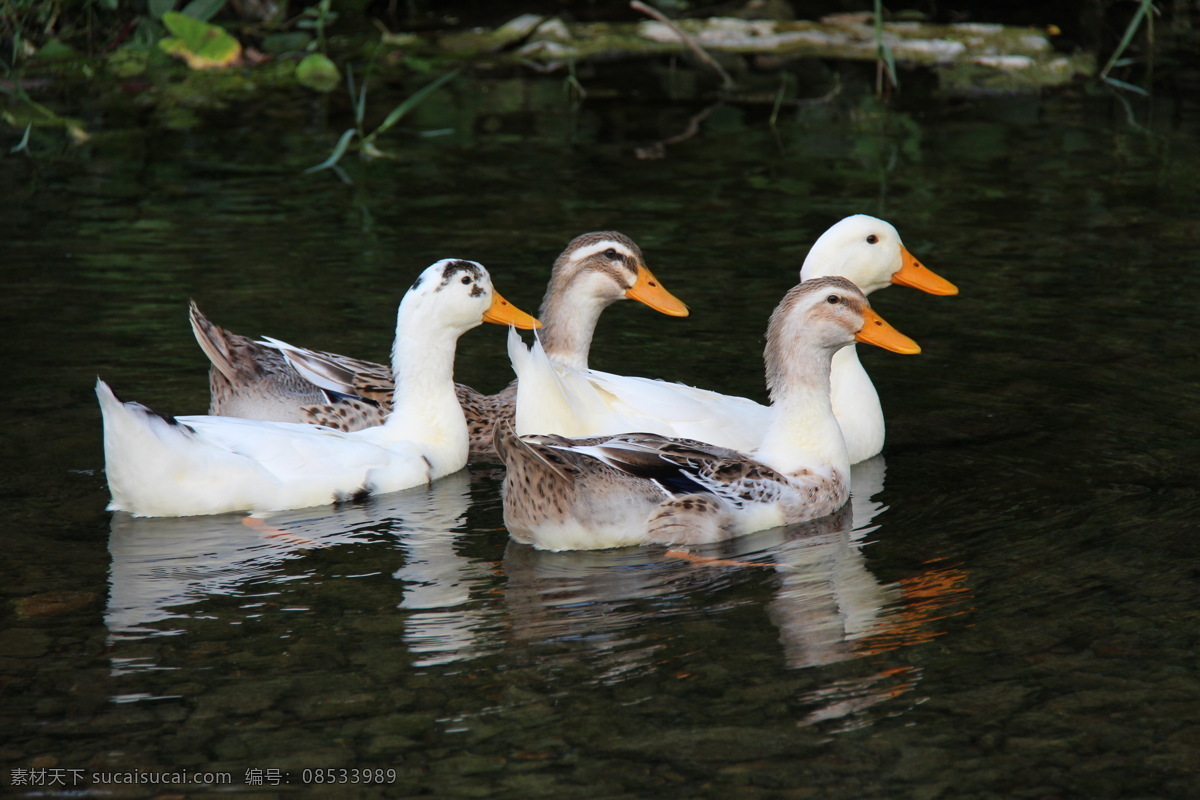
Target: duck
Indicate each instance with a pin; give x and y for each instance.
(571, 402)
(164, 466)
(564, 493)
(272, 380)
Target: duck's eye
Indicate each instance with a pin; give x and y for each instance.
(872, 239)
(611, 254)
(466, 279)
(833, 299)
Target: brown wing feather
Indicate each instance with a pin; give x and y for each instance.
(484, 413)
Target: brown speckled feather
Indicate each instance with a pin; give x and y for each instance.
(482, 412)
(248, 379)
(263, 383)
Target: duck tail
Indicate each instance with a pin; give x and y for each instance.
(216, 342)
(138, 444)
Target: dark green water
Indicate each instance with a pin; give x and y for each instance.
(1016, 614)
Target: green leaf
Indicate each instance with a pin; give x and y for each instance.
(338, 151)
(890, 62)
(418, 64)
(55, 50)
(1130, 30)
(159, 7)
(203, 10)
(24, 143)
(291, 42)
(317, 72)
(1123, 85)
(201, 44)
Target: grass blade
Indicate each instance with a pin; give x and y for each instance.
(336, 155)
(411, 102)
(883, 53)
(1127, 86)
(1130, 31)
(890, 63)
(23, 145)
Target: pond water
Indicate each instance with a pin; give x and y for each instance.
(1011, 611)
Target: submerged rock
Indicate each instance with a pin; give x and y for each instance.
(52, 604)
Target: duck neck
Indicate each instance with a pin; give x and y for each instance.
(856, 405)
(803, 433)
(425, 408)
(568, 323)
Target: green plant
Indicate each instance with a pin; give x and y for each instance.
(29, 113)
(201, 44)
(572, 87)
(787, 85)
(1117, 58)
(203, 10)
(23, 145)
(883, 54)
(27, 26)
(367, 148)
(316, 18)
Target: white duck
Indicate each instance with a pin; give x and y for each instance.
(274, 380)
(638, 488)
(574, 402)
(160, 466)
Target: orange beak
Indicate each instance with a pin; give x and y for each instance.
(503, 312)
(646, 289)
(879, 332)
(913, 273)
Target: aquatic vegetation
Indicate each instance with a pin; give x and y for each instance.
(366, 147)
(1117, 57)
(317, 71)
(199, 43)
(885, 61)
(30, 114)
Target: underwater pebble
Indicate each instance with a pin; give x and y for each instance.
(52, 604)
(335, 705)
(23, 643)
(917, 762)
(240, 698)
(468, 764)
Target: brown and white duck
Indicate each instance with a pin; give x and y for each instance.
(271, 380)
(639, 488)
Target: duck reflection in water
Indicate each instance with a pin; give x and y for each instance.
(622, 606)
(163, 568)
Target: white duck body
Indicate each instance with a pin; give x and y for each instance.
(868, 252)
(637, 488)
(163, 466)
(574, 403)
